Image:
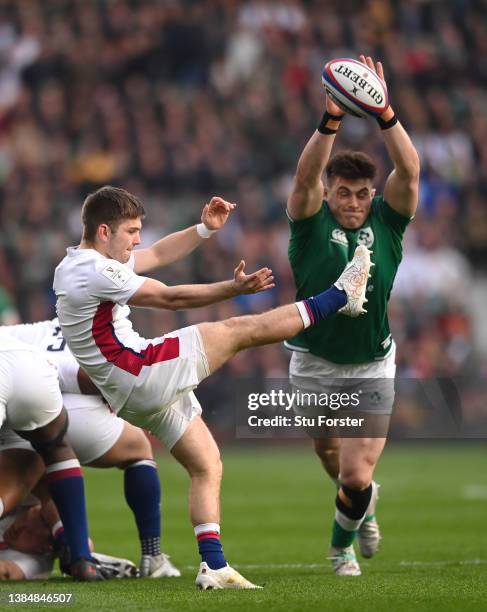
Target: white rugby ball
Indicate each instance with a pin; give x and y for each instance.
(355, 88)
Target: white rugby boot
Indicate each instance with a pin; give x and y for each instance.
(353, 280)
(369, 534)
(223, 578)
(344, 561)
(158, 566)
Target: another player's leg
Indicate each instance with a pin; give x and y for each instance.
(368, 535)
(197, 451)
(20, 468)
(65, 483)
(131, 451)
(328, 451)
(35, 412)
(358, 457)
(222, 340)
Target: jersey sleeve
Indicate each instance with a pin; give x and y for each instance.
(301, 231)
(114, 282)
(390, 217)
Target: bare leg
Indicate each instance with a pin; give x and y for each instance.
(358, 458)
(21, 470)
(42, 437)
(328, 451)
(223, 339)
(132, 446)
(197, 451)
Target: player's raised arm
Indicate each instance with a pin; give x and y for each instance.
(155, 294)
(179, 244)
(402, 186)
(307, 192)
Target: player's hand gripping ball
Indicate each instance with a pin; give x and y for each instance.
(355, 88)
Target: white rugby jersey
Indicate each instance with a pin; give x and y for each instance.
(92, 292)
(9, 343)
(47, 336)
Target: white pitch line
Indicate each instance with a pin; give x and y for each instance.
(269, 566)
(257, 566)
(474, 491)
(440, 563)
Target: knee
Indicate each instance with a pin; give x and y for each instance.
(232, 328)
(211, 468)
(241, 330)
(358, 481)
(132, 446)
(139, 448)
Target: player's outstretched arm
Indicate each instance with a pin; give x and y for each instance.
(401, 190)
(154, 294)
(179, 244)
(307, 192)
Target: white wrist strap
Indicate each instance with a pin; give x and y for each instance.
(203, 231)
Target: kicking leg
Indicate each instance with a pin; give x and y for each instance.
(222, 340)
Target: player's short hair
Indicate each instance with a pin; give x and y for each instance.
(110, 205)
(350, 165)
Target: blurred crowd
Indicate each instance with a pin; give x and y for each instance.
(180, 100)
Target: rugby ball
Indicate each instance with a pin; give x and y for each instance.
(355, 88)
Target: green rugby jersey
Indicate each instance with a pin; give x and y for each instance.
(319, 248)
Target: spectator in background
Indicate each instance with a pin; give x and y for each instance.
(175, 100)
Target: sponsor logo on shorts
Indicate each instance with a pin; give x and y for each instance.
(375, 398)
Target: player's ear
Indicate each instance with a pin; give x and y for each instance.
(372, 192)
(103, 232)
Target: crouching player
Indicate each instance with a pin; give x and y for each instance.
(99, 439)
(31, 404)
(27, 544)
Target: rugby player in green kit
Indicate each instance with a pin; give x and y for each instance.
(327, 223)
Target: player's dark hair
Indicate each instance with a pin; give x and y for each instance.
(350, 165)
(109, 205)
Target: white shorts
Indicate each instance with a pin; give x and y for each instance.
(29, 390)
(159, 385)
(93, 428)
(170, 423)
(374, 380)
(34, 567)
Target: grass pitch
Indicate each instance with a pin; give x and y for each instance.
(277, 513)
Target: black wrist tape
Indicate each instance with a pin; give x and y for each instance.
(322, 129)
(385, 125)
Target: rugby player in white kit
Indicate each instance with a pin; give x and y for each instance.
(150, 382)
(99, 438)
(31, 405)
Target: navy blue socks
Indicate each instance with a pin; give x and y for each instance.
(143, 495)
